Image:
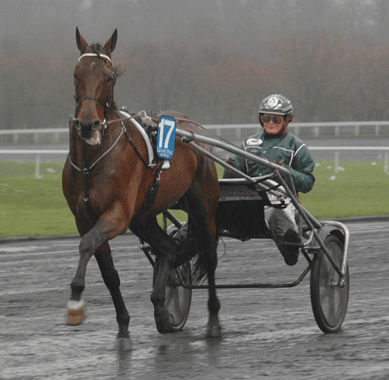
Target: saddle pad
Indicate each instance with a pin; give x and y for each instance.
(144, 135)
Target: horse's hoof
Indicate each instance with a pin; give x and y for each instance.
(123, 344)
(164, 324)
(213, 328)
(214, 332)
(76, 312)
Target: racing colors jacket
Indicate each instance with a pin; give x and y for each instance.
(289, 148)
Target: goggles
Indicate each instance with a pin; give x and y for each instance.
(276, 119)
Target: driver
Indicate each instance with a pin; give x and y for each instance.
(278, 145)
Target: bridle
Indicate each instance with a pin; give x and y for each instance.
(107, 103)
(156, 169)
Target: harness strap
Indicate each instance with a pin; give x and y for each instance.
(86, 173)
(150, 196)
(93, 98)
(140, 129)
(136, 150)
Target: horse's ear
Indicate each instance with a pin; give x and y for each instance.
(111, 43)
(81, 43)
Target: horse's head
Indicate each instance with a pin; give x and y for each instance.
(94, 80)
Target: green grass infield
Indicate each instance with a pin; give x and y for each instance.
(32, 207)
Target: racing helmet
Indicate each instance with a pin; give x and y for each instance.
(276, 104)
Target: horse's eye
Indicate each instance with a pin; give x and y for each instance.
(75, 78)
(112, 78)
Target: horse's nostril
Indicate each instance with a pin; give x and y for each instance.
(77, 125)
(96, 125)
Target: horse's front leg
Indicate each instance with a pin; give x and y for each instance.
(105, 229)
(76, 306)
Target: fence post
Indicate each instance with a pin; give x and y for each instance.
(37, 166)
(238, 133)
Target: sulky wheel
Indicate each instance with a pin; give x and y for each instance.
(177, 298)
(329, 300)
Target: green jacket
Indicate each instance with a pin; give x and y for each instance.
(296, 156)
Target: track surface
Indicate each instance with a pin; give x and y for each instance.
(267, 334)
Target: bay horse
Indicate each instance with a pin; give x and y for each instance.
(106, 179)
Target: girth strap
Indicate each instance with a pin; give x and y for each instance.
(86, 173)
(150, 196)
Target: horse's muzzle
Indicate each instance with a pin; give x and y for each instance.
(89, 130)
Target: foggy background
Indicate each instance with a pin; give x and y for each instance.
(213, 60)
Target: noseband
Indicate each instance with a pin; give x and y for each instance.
(108, 102)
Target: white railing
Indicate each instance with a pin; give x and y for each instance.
(219, 128)
(317, 126)
(336, 149)
(16, 133)
(37, 153)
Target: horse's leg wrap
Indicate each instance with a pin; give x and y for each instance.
(76, 312)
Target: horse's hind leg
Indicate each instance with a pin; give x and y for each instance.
(165, 248)
(163, 318)
(202, 218)
(213, 327)
(210, 245)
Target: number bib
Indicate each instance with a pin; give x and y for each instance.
(166, 137)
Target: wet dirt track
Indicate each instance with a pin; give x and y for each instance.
(269, 333)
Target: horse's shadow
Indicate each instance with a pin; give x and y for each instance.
(172, 354)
